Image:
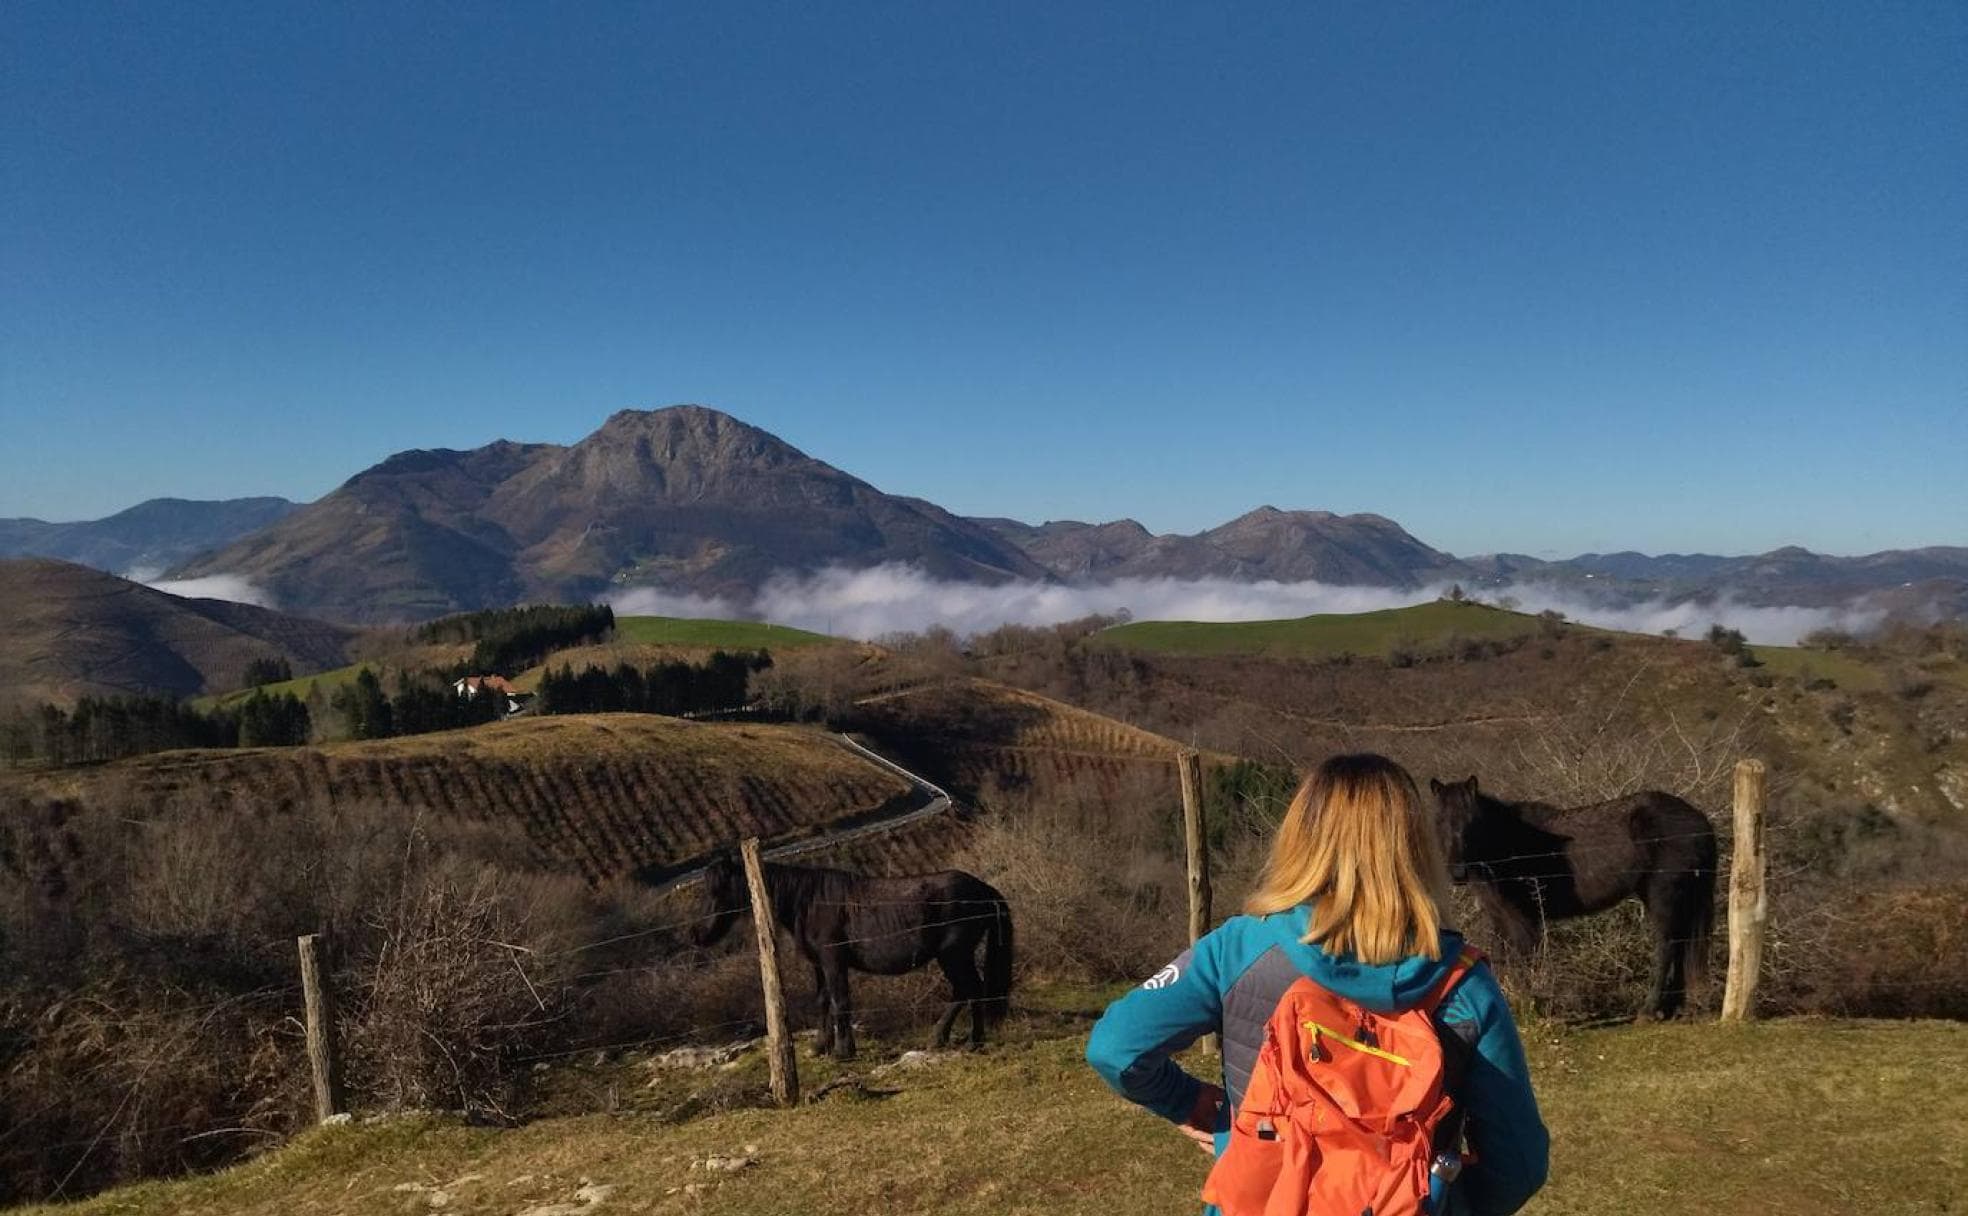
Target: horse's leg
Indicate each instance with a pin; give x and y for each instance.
(834, 963)
(1669, 985)
(966, 989)
(1681, 925)
(823, 1039)
(976, 998)
(940, 1037)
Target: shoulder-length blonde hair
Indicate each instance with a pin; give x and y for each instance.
(1358, 845)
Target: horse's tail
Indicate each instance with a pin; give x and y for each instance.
(997, 961)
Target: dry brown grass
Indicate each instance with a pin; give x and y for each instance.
(1677, 1120)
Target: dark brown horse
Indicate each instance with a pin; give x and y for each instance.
(1534, 863)
(884, 926)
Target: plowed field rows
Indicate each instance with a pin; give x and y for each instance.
(978, 735)
(600, 795)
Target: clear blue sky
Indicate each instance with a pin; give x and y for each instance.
(1547, 278)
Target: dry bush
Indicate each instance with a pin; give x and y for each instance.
(1849, 951)
(1095, 887)
(148, 978)
(449, 995)
(123, 1079)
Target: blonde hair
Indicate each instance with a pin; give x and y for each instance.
(1359, 847)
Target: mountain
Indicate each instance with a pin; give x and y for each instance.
(685, 498)
(155, 534)
(690, 500)
(1285, 546)
(1916, 582)
(73, 631)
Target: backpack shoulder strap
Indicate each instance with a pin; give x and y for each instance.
(1463, 965)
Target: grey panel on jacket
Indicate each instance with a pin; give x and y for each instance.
(1246, 1010)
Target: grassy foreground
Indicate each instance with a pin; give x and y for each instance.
(1801, 1117)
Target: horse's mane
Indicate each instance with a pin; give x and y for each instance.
(1529, 809)
(802, 885)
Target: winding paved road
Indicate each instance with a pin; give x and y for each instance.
(935, 801)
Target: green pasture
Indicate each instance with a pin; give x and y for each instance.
(300, 686)
(1325, 635)
(713, 634)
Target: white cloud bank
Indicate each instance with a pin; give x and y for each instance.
(232, 587)
(895, 598)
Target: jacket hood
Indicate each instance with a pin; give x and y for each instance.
(1381, 987)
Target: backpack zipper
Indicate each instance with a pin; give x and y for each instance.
(1318, 1029)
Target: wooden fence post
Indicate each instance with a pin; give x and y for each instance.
(1189, 767)
(778, 1039)
(1748, 898)
(1195, 839)
(318, 997)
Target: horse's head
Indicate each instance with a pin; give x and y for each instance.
(1459, 805)
(725, 897)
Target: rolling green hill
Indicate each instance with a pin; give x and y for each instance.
(1326, 635)
(725, 635)
(300, 686)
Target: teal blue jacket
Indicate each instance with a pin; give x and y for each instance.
(1231, 980)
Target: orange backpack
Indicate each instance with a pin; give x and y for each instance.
(1343, 1110)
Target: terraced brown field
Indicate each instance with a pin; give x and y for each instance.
(976, 735)
(601, 795)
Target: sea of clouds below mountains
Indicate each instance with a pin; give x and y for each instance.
(889, 599)
(870, 603)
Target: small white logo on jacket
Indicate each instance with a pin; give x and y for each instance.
(1163, 978)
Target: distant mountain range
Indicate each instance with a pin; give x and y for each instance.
(1286, 546)
(688, 499)
(152, 535)
(1935, 578)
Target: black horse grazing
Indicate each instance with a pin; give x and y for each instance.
(884, 926)
(1533, 862)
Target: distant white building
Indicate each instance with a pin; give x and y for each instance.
(471, 686)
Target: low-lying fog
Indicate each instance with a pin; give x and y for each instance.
(871, 603)
(895, 599)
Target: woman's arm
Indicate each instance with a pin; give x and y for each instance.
(1131, 1043)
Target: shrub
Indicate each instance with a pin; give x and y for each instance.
(1857, 951)
(123, 1078)
(1119, 919)
(449, 996)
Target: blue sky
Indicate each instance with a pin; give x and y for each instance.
(1547, 278)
